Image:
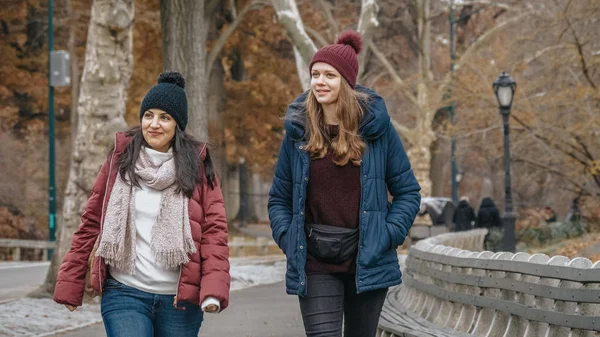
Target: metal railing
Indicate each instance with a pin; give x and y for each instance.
(238, 246)
(16, 245)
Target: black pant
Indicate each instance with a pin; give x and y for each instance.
(333, 297)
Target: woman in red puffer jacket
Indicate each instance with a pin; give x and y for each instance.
(157, 218)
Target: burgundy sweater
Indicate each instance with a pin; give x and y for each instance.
(332, 198)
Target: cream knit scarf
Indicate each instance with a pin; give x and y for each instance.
(171, 234)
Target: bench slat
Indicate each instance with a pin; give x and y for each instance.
(402, 322)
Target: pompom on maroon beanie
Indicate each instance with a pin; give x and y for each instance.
(341, 55)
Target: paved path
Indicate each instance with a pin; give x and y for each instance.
(262, 311)
(17, 279)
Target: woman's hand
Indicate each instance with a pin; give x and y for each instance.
(211, 308)
(70, 307)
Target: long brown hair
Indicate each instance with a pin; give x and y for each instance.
(348, 146)
(187, 161)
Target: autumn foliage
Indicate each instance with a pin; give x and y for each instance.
(553, 55)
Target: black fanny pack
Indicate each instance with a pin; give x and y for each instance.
(330, 244)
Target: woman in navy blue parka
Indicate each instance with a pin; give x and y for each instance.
(339, 159)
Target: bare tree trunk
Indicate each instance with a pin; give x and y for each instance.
(304, 47)
(367, 23)
(420, 152)
(439, 157)
(185, 32)
(102, 100)
(420, 159)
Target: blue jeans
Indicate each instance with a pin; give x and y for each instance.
(129, 312)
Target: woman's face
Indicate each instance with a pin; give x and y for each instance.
(158, 128)
(325, 83)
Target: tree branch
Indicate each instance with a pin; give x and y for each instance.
(216, 49)
(367, 20)
(490, 3)
(584, 147)
(590, 157)
(472, 48)
(302, 68)
(424, 38)
(438, 14)
(552, 130)
(373, 80)
(469, 134)
(233, 9)
(549, 142)
(320, 39)
(367, 23)
(290, 19)
(554, 171)
(333, 25)
(543, 51)
(395, 76)
(304, 47)
(579, 45)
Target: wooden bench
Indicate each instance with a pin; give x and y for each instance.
(397, 321)
(452, 288)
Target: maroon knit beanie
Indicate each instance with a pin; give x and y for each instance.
(341, 55)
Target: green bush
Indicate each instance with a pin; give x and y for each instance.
(552, 233)
(494, 241)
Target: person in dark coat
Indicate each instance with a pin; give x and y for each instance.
(328, 204)
(464, 217)
(488, 215)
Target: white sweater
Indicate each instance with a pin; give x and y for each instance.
(149, 275)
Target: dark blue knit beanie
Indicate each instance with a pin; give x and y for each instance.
(168, 95)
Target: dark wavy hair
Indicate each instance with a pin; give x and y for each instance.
(187, 161)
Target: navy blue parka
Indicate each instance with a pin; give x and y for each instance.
(383, 225)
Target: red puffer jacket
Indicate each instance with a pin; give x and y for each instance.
(207, 272)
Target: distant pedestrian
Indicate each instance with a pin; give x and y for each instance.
(464, 217)
(157, 218)
(328, 204)
(488, 215)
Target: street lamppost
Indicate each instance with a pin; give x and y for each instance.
(454, 170)
(504, 88)
(58, 76)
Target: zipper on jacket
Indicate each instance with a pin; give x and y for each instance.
(301, 147)
(175, 300)
(112, 156)
(360, 222)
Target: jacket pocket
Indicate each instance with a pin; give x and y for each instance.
(289, 239)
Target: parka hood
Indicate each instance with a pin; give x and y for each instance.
(487, 203)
